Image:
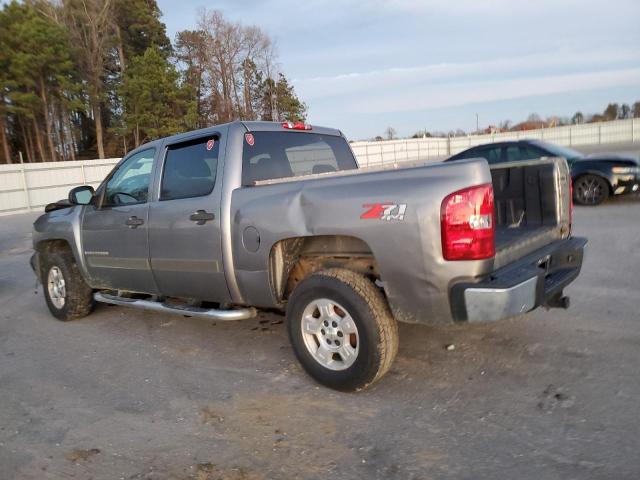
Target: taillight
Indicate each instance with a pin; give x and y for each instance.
(296, 126)
(467, 224)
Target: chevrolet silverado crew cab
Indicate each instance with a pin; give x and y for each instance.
(221, 222)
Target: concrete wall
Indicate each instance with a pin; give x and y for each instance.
(380, 153)
(30, 186)
(27, 187)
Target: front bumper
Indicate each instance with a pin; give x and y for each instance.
(625, 183)
(535, 280)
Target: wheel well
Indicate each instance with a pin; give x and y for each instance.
(50, 246)
(293, 259)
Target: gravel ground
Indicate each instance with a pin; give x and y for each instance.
(134, 395)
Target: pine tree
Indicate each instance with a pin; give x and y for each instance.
(279, 102)
(190, 53)
(155, 105)
(289, 106)
(137, 27)
(38, 67)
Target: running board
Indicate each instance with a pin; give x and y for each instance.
(211, 314)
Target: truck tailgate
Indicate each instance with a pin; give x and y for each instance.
(532, 206)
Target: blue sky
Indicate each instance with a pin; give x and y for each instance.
(362, 66)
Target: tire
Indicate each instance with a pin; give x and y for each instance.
(72, 298)
(348, 302)
(590, 190)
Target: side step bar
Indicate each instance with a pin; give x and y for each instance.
(211, 314)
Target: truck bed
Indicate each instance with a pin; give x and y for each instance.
(528, 207)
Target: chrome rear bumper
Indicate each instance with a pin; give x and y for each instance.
(535, 280)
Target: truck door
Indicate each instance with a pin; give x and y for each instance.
(184, 222)
(114, 233)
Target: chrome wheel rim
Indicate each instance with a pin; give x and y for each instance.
(56, 287)
(590, 190)
(330, 334)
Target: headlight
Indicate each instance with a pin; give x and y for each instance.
(625, 169)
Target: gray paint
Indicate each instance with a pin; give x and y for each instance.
(127, 266)
(186, 257)
(408, 252)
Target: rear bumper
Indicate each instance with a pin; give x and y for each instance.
(535, 280)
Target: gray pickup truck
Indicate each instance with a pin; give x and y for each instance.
(223, 221)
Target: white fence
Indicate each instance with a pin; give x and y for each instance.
(30, 186)
(27, 187)
(394, 151)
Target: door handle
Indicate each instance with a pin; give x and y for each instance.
(201, 217)
(134, 222)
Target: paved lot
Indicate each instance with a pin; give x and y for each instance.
(134, 395)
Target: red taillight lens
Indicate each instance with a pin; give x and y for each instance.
(296, 126)
(467, 224)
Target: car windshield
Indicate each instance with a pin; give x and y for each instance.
(559, 151)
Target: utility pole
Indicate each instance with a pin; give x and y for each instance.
(477, 124)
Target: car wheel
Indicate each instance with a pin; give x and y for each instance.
(341, 329)
(590, 190)
(65, 291)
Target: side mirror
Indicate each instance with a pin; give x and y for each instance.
(81, 195)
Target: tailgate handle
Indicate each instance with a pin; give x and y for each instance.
(201, 217)
(134, 222)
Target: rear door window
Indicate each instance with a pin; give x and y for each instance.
(190, 169)
(513, 153)
(529, 153)
(276, 155)
(491, 154)
(471, 153)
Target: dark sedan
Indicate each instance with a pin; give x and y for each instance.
(595, 177)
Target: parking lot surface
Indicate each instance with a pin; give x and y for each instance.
(137, 395)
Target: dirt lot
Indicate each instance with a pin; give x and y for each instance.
(134, 395)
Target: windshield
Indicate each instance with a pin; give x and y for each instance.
(558, 151)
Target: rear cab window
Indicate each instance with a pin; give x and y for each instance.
(275, 155)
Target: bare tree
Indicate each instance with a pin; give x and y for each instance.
(234, 60)
(191, 56)
(390, 133)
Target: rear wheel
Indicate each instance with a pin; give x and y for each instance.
(65, 291)
(590, 190)
(341, 329)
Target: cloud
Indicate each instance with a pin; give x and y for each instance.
(456, 94)
(391, 79)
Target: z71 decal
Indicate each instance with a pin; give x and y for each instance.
(384, 211)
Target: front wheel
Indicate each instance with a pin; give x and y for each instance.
(67, 294)
(590, 190)
(341, 329)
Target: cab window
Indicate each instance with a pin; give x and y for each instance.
(190, 169)
(129, 185)
(275, 155)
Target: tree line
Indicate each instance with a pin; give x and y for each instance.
(96, 78)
